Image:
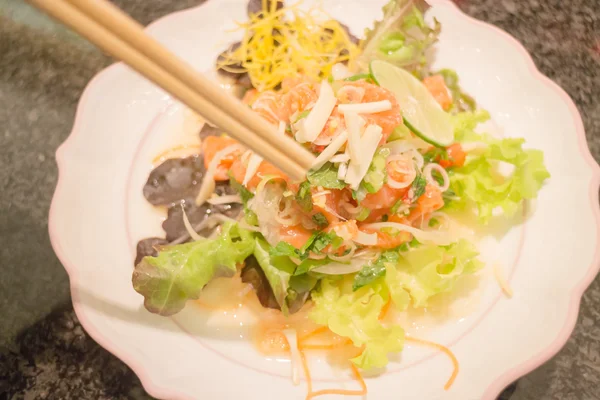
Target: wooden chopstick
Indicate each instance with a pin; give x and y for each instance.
(116, 33)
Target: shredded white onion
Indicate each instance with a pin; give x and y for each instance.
(435, 237)
(346, 257)
(409, 171)
(209, 222)
(188, 227)
(427, 171)
(292, 338)
(208, 183)
(227, 199)
(366, 239)
(437, 215)
(336, 268)
(243, 224)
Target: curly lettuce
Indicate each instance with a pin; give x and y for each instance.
(355, 315)
(402, 37)
(497, 174)
(426, 271)
(352, 306)
(180, 272)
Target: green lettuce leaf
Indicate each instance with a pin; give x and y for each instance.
(179, 272)
(428, 270)
(355, 315)
(481, 185)
(277, 269)
(402, 37)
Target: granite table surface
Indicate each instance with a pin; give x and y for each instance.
(44, 351)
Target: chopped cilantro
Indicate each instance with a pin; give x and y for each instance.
(418, 186)
(304, 197)
(320, 220)
(326, 176)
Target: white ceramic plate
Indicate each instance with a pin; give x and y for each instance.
(98, 214)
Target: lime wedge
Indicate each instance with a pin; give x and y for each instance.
(421, 112)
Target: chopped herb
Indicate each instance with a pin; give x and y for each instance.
(320, 220)
(418, 186)
(371, 272)
(326, 176)
(435, 154)
(245, 194)
(433, 222)
(384, 218)
(396, 206)
(358, 77)
(304, 197)
(323, 240)
(284, 249)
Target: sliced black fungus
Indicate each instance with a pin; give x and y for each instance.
(209, 130)
(242, 79)
(174, 179)
(255, 6)
(253, 274)
(147, 247)
(222, 58)
(174, 226)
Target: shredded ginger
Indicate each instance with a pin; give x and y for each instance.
(286, 42)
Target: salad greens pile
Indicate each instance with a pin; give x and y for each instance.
(401, 38)
(409, 275)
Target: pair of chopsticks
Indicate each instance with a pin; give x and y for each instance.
(119, 35)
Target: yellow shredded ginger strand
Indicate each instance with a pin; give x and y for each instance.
(286, 42)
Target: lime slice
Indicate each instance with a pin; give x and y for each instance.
(421, 112)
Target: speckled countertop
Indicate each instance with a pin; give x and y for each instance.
(44, 352)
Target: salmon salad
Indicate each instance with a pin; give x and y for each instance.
(402, 169)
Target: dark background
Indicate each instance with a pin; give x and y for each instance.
(44, 352)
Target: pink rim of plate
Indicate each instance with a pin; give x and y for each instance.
(500, 382)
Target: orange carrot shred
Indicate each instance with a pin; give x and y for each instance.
(306, 373)
(317, 331)
(445, 350)
(324, 346)
(385, 309)
(343, 392)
